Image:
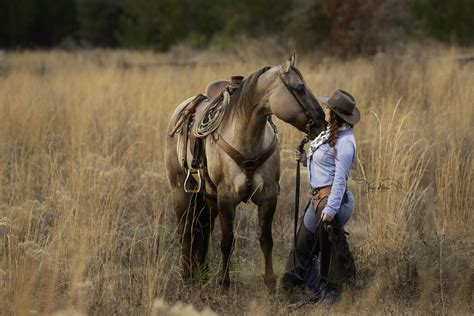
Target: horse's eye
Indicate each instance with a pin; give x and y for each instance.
(300, 89)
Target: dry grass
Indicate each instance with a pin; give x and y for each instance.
(86, 222)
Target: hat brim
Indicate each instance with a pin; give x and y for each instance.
(351, 119)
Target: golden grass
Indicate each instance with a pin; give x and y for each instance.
(86, 221)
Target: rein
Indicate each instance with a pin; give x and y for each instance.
(297, 189)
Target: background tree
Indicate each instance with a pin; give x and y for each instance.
(347, 26)
(450, 21)
(98, 22)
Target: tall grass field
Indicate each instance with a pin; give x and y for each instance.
(87, 225)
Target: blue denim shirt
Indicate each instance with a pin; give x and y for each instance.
(324, 169)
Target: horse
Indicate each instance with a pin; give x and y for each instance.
(244, 132)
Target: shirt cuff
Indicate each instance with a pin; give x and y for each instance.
(329, 211)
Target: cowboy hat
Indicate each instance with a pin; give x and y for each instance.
(343, 104)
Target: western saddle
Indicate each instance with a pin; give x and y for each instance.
(190, 114)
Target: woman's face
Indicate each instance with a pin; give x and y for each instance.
(326, 110)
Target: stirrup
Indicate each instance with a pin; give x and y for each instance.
(189, 178)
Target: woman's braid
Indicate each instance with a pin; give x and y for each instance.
(336, 123)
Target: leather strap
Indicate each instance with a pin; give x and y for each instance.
(188, 110)
(249, 165)
(300, 100)
(321, 194)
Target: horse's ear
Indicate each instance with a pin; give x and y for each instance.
(293, 59)
(291, 62)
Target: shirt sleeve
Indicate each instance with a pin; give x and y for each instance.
(344, 158)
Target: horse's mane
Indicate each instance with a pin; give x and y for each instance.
(244, 95)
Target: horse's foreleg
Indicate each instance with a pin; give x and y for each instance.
(226, 216)
(266, 210)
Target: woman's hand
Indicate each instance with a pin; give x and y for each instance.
(326, 218)
(329, 227)
(300, 156)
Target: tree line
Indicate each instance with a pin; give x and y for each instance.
(359, 25)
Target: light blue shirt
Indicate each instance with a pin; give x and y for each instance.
(324, 169)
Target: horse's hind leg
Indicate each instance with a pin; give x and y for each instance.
(201, 233)
(266, 210)
(184, 205)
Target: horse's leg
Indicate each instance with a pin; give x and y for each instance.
(213, 210)
(266, 210)
(202, 227)
(184, 205)
(201, 234)
(226, 216)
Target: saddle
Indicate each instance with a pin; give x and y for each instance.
(185, 122)
(197, 106)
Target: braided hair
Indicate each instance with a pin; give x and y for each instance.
(335, 123)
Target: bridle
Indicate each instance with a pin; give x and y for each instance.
(299, 93)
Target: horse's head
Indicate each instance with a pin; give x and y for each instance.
(292, 101)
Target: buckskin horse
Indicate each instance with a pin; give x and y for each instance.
(240, 159)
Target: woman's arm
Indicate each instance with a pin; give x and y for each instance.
(344, 157)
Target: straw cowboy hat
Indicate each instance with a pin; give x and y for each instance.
(344, 104)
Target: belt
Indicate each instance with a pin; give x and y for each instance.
(325, 191)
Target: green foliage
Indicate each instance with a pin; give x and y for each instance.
(307, 24)
(16, 19)
(160, 24)
(136, 23)
(36, 23)
(98, 21)
(142, 23)
(446, 20)
(256, 17)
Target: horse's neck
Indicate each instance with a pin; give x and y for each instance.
(246, 130)
(246, 127)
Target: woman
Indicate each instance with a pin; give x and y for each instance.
(329, 160)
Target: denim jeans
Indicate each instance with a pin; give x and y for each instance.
(345, 212)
